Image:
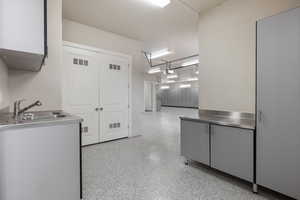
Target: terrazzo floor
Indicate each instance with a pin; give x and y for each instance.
(149, 167)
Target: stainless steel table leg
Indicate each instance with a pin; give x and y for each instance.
(255, 188)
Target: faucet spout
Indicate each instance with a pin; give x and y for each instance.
(18, 111)
(37, 103)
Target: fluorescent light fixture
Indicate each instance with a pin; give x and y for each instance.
(159, 3)
(165, 87)
(191, 62)
(171, 81)
(160, 53)
(172, 76)
(154, 71)
(193, 79)
(185, 86)
(170, 71)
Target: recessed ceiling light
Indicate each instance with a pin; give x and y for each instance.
(185, 86)
(165, 87)
(172, 76)
(192, 62)
(159, 3)
(160, 53)
(154, 71)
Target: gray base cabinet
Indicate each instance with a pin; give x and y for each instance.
(195, 141)
(232, 151)
(227, 149)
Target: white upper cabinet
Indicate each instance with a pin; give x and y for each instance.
(23, 33)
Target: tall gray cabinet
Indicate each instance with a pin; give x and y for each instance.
(278, 102)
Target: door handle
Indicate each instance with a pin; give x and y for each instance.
(260, 116)
(99, 109)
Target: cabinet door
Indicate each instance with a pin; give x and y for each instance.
(195, 141)
(278, 102)
(232, 151)
(22, 26)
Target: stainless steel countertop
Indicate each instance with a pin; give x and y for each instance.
(224, 118)
(44, 118)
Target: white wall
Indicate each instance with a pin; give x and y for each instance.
(4, 98)
(227, 52)
(44, 85)
(83, 34)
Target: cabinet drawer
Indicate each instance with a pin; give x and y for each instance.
(232, 151)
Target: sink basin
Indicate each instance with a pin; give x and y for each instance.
(33, 116)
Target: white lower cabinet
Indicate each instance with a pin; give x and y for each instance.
(40, 161)
(96, 88)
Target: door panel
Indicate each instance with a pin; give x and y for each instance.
(114, 99)
(80, 90)
(278, 90)
(195, 141)
(232, 151)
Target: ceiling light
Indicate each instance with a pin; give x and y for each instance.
(160, 3)
(193, 79)
(160, 53)
(172, 76)
(171, 81)
(197, 72)
(185, 86)
(192, 62)
(170, 71)
(154, 71)
(165, 87)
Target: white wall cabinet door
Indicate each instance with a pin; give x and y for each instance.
(80, 91)
(114, 97)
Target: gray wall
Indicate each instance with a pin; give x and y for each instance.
(180, 97)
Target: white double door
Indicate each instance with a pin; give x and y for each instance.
(96, 88)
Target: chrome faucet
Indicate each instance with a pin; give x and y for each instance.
(18, 111)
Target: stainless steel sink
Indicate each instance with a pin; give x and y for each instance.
(29, 117)
(32, 116)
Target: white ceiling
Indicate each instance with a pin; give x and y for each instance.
(202, 5)
(174, 27)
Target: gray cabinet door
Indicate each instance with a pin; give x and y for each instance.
(278, 102)
(195, 141)
(232, 151)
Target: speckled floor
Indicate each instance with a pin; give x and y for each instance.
(149, 167)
